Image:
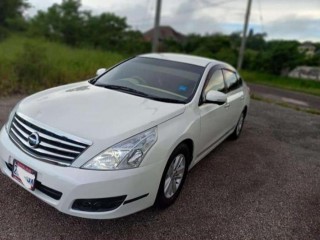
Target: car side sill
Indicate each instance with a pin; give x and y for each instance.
(210, 148)
(216, 142)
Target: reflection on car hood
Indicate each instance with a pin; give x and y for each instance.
(96, 113)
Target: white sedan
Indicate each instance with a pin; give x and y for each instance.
(125, 140)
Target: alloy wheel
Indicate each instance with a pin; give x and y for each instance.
(240, 124)
(174, 175)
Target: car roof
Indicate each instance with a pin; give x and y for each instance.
(195, 60)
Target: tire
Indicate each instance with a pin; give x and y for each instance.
(237, 131)
(169, 188)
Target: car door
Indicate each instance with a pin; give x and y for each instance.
(212, 116)
(235, 96)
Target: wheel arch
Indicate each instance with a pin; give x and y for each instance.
(245, 110)
(190, 144)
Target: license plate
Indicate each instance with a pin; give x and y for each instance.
(24, 175)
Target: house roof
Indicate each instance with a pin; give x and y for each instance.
(307, 44)
(165, 33)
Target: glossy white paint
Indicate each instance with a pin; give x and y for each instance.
(106, 117)
(216, 97)
(100, 115)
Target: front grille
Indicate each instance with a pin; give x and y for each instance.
(54, 146)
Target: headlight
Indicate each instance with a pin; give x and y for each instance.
(126, 154)
(11, 115)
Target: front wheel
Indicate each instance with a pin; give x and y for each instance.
(238, 129)
(173, 176)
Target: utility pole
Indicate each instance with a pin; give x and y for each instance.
(244, 36)
(155, 40)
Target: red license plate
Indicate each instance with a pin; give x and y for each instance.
(24, 175)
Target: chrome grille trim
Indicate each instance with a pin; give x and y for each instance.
(54, 147)
(60, 149)
(39, 149)
(47, 136)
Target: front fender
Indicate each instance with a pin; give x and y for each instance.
(174, 131)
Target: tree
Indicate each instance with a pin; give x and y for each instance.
(256, 41)
(208, 46)
(63, 22)
(284, 55)
(193, 42)
(11, 14)
(227, 54)
(105, 31)
(134, 43)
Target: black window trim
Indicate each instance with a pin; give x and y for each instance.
(210, 72)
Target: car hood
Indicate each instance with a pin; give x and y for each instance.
(95, 113)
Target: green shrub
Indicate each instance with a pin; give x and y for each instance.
(31, 66)
(28, 65)
(3, 33)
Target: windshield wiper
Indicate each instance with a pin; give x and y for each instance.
(168, 100)
(124, 89)
(139, 93)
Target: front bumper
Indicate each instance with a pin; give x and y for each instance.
(139, 185)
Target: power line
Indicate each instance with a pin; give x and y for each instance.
(143, 20)
(175, 21)
(261, 16)
(208, 5)
(147, 6)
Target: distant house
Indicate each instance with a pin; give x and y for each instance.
(165, 33)
(307, 48)
(312, 73)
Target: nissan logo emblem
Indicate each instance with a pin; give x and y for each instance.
(34, 140)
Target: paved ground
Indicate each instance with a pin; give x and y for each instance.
(266, 185)
(301, 100)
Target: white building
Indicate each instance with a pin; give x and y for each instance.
(307, 48)
(305, 72)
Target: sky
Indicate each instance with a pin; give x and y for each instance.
(280, 19)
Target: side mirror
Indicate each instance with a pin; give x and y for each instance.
(216, 97)
(101, 71)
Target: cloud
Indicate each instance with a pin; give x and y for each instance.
(186, 20)
(295, 27)
(39, 5)
(285, 19)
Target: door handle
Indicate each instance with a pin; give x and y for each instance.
(227, 105)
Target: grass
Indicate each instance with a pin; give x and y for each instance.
(287, 105)
(31, 64)
(295, 84)
(62, 64)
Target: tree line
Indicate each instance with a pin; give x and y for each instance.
(69, 24)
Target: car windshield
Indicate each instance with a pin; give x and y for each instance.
(158, 79)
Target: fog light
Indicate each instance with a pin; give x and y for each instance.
(98, 204)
